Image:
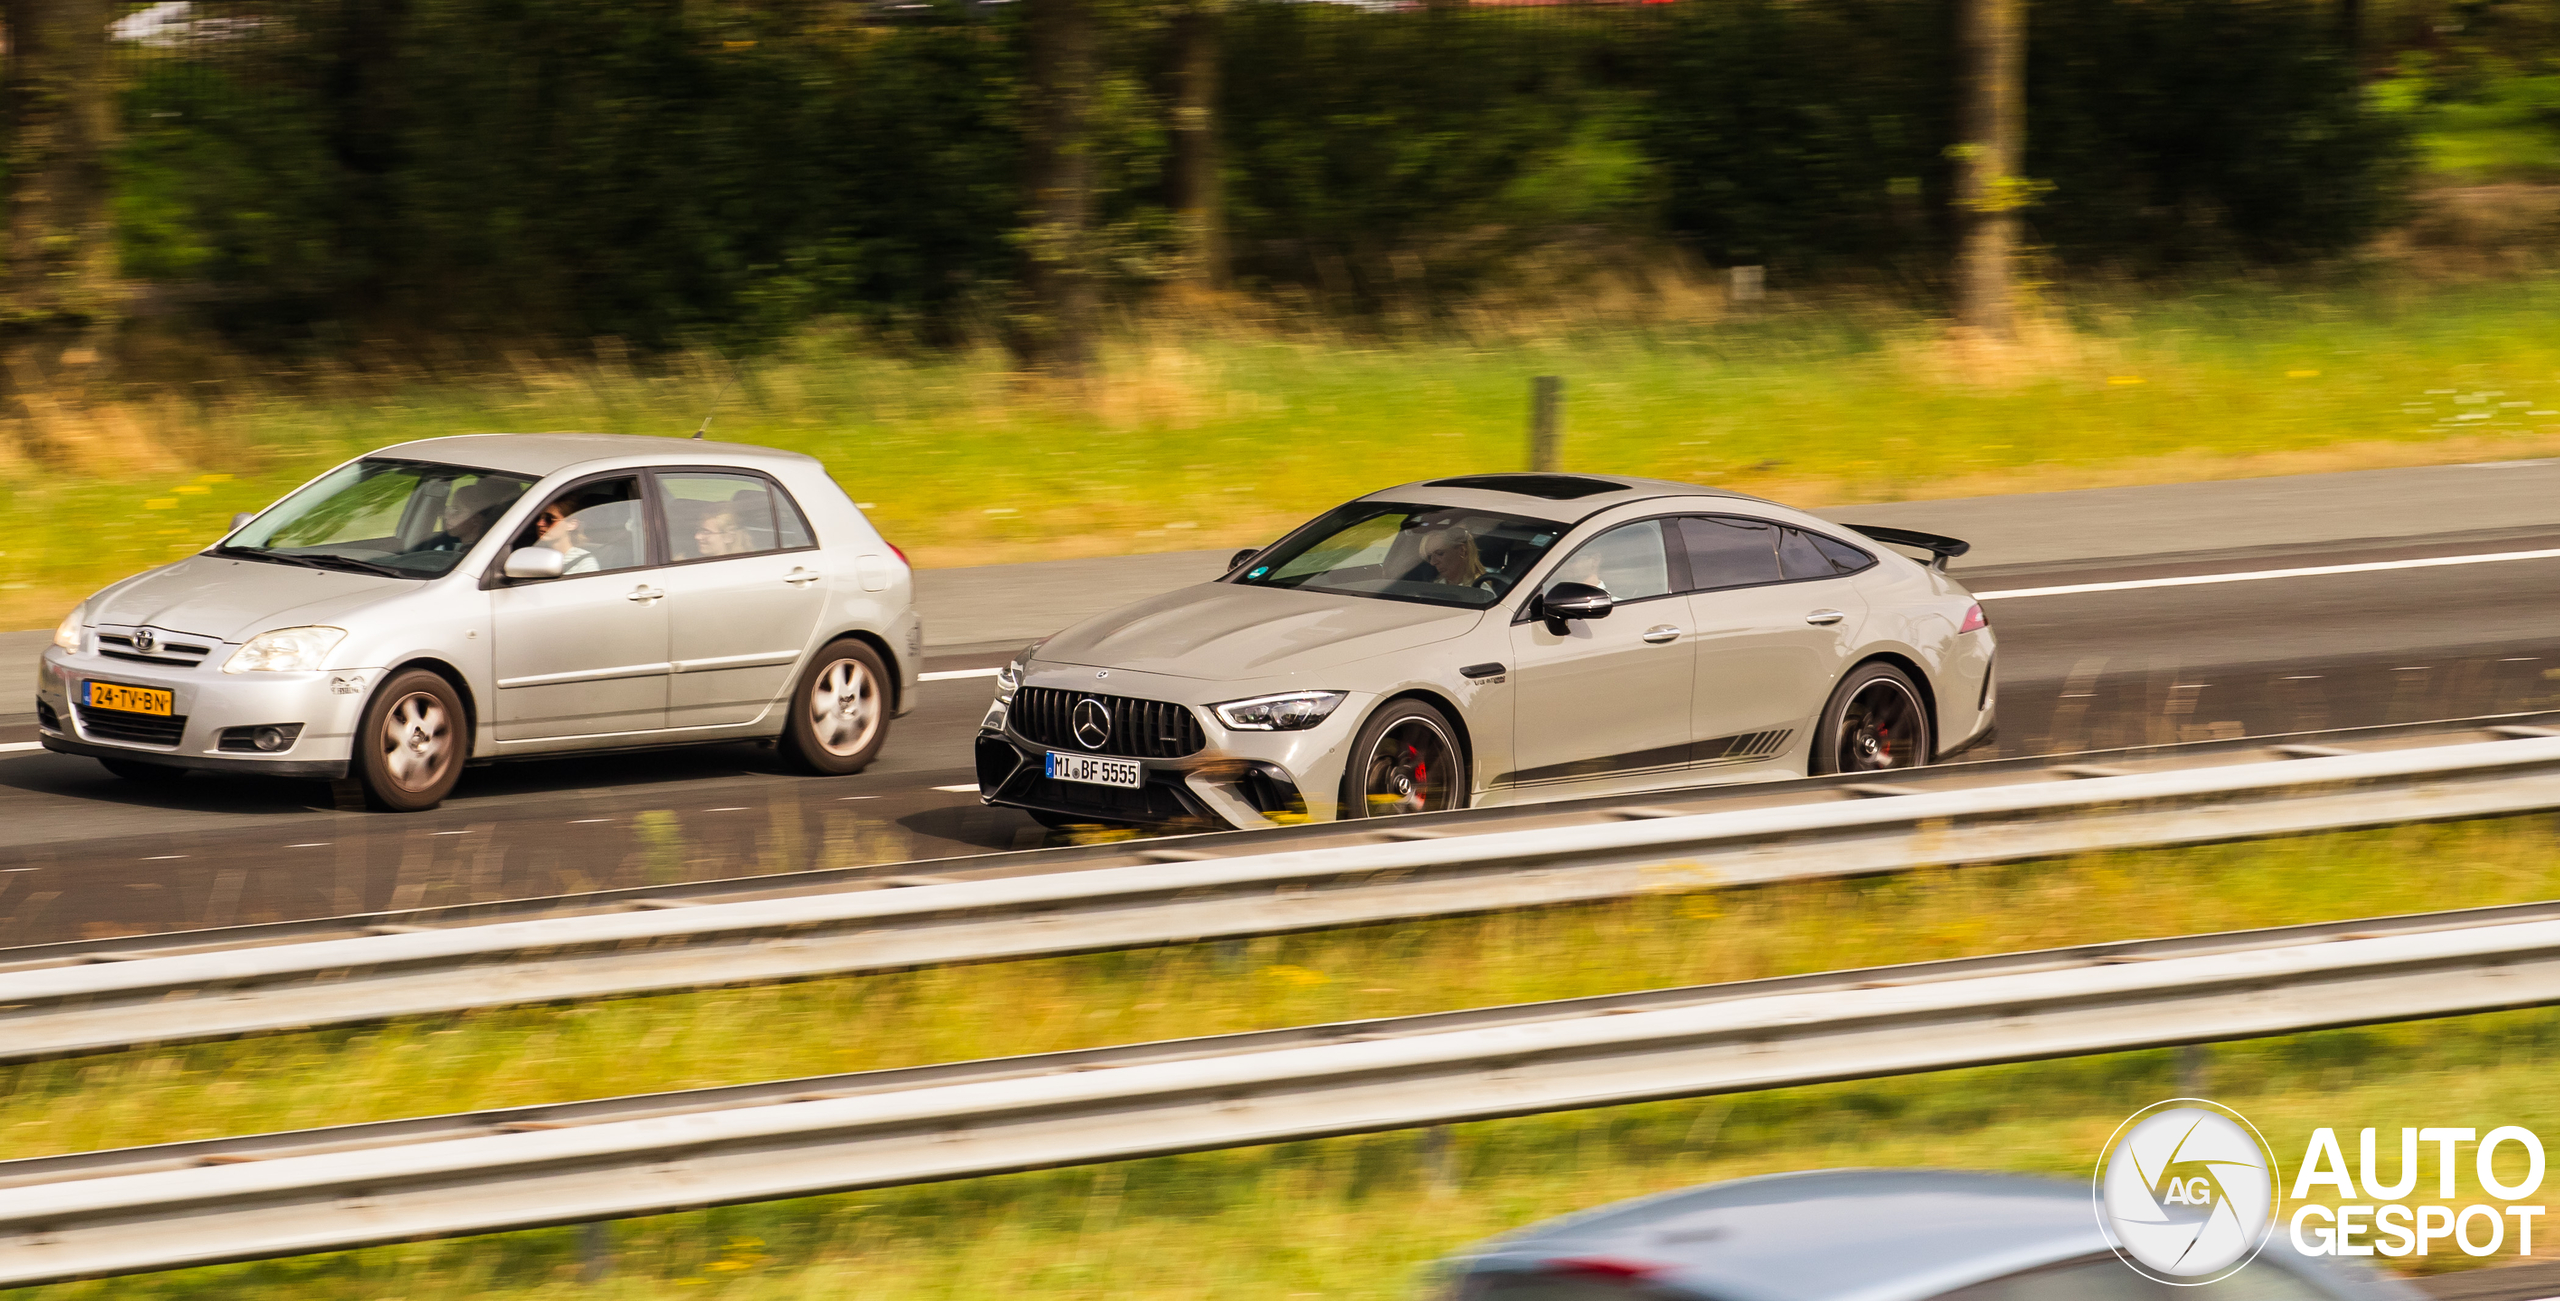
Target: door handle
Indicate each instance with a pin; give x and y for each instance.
(1825, 617)
(644, 594)
(1660, 633)
(799, 577)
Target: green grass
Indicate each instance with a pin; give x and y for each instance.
(1222, 432)
(2509, 133)
(1343, 1217)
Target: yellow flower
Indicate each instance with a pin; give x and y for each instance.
(160, 503)
(213, 478)
(1288, 974)
(2124, 379)
(191, 488)
(2302, 374)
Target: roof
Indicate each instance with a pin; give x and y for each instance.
(1828, 1235)
(546, 454)
(1563, 498)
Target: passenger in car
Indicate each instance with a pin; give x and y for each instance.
(719, 533)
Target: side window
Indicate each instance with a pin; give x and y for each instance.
(1728, 552)
(597, 527)
(1628, 562)
(1800, 558)
(1849, 559)
(710, 515)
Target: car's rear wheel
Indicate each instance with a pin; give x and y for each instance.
(1874, 723)
(1406, 760)
(155, 774)
(411, 744)
(839, 711)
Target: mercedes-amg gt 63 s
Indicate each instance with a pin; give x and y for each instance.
(1499, 639)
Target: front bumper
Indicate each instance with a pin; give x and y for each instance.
(205, 702)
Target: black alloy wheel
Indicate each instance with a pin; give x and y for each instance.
(1874, 723)
(1405, 760)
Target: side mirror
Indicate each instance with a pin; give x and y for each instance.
(1573, 601)
(534, 562)
(1242, 556)
(242, 519)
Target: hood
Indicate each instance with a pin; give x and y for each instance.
(215, 596)
(1223, 630)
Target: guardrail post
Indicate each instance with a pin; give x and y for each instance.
(1546, 422)
(2192, 1061)
(1439, 1165)
(595, 1251)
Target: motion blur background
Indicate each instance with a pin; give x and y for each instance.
(1096, 277)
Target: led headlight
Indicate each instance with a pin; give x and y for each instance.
(285, 650)
(67, 633)
(1287, 712)
(1009, 678)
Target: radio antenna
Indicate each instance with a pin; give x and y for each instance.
(715, 403)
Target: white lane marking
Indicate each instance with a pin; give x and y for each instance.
(162, 858)
(733, 808)
(971, 788)
(311, 844)
(580, 822)
(2254, 575)
(21, 747)
(952, 675)
(842, 798)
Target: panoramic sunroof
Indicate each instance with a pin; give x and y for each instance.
(1553, 487)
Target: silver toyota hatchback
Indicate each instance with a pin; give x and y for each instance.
(1499, 639)
(499, 596)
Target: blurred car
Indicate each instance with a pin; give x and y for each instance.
(499, 596)
(1498, 639)
(1871, 1235)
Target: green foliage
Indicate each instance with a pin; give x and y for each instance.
(670, 173)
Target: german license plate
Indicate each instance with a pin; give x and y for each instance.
(1094, 770)
(132, 700)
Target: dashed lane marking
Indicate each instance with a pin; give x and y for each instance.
(971, 788)
(954, 675)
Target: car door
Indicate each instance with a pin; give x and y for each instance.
(745, 586)
(1604, 704)
(1775, 620)
(584, 654)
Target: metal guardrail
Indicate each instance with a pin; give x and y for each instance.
(99, 1214)
(71, 1009)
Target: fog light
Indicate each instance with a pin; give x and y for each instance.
(262, 738)
(270, 738)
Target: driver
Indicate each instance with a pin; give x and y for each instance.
(468, 512)
(1451, 553)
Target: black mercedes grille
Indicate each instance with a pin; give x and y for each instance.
(137, 729)
(1140, 729)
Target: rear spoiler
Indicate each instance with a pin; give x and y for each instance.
(1940, 549)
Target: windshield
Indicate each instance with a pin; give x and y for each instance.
(1443, 555)
(403, 519)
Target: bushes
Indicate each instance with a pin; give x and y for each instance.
(669, 171)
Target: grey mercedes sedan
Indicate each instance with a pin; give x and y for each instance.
(498, 596)
(1498, 639)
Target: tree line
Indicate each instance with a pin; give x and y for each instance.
(310, 174)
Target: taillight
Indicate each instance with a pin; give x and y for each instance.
(902, 559)
(1973, 619)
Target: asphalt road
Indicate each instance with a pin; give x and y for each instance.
(83, 854)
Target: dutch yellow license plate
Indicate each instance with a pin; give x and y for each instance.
(132, 700)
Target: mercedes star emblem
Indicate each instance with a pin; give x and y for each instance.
(1093, 723)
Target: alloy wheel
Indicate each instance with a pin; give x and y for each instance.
(1409, 770)
(417, 741)
(1881, 727)
(844, 707)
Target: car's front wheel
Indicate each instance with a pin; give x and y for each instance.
(1406, 760)
(1874, 723)
(411, 744)
(839, 711)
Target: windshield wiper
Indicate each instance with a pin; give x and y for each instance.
(316, 560)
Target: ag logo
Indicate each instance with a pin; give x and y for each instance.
(1092, 723)
(2188, 1190)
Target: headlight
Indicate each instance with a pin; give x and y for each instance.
(286, 650)
(66, 634)
(1286, 712)
(1009, 678)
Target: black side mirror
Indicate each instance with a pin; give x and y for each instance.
(1242, 556)
(1573, 601)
